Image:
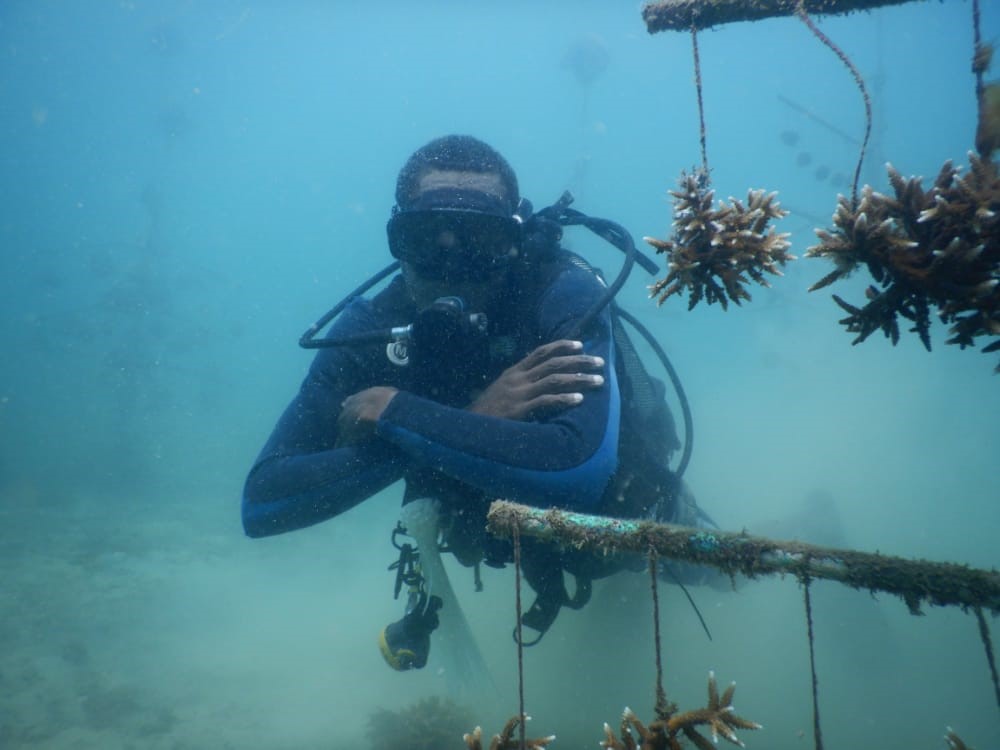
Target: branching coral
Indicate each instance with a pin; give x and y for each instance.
(954, 741)
(505, 740)
(939, 248)
(715, 252)
(663, 733)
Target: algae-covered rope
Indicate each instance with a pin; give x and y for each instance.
(917, 582)
(681, 15)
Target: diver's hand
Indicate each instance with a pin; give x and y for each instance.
(360, 412)
(551, 378)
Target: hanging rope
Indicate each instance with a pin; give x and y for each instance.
(661, 696)
(800, 10)
(817, 732)
(984, 635)
(520, 641)
(982, 55)
(979, 64)
(701, 105)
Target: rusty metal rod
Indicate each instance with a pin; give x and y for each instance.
(915, 581)
(682, 15)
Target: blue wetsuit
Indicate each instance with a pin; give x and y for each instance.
(565, 460)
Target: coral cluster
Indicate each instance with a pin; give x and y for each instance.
(506, 740)
(663, 733)
(428, 724)
(715, 252)
(937, 248)
(954, 741)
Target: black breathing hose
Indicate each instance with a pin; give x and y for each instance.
(308, 339)
(618, 236)
(674, 380)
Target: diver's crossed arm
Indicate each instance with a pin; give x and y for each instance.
(565, 460)
(284, 493)
(565, 456)
(304, 475)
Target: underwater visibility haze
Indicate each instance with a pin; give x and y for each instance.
(187, 186)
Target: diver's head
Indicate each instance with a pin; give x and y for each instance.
(453, 227)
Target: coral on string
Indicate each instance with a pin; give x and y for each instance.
(714, 253)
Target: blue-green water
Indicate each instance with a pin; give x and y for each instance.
(187, 186)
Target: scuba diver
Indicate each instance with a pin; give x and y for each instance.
(493, 365)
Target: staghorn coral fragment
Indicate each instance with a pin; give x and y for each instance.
(610, 742)
(474, 739)
(664, 733)
(715, 252)
(506, 740)
(954, 741)
(718, 715)
(937, 250)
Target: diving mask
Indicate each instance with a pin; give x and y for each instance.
(454, 245)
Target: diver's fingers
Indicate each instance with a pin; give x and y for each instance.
(572, 364)
(553, 349)
(560, 383)
(553, 402)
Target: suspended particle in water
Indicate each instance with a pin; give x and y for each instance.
(789, 137)
(587, 58)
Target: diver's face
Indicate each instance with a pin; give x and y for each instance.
(459, 253)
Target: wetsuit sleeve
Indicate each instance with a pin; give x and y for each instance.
(301, 477)
(564, 461)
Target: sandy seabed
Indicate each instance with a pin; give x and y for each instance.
(136, 625)
(131, 625)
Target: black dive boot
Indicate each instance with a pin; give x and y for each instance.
(406, 643)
